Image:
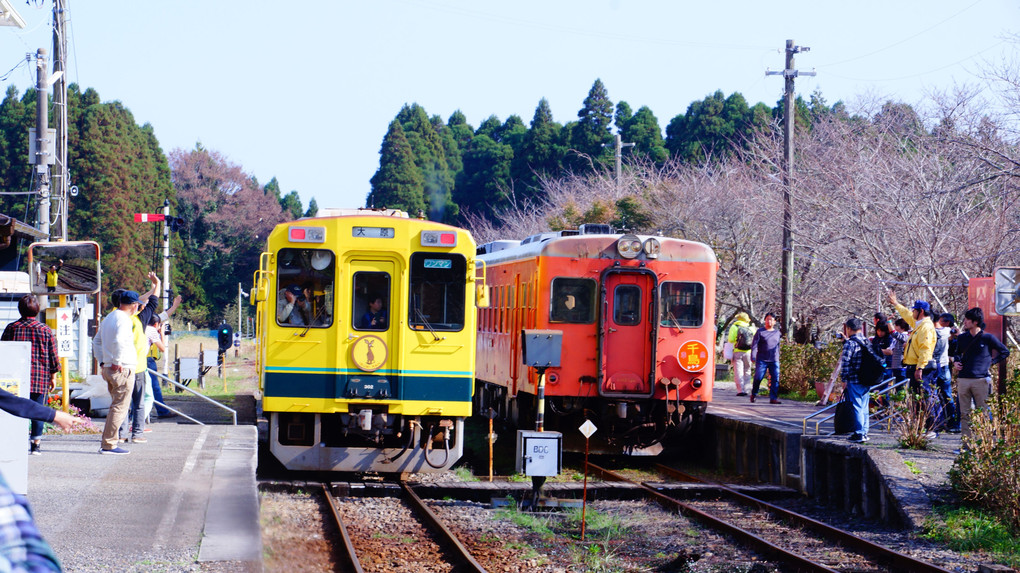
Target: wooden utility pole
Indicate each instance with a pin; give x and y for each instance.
(789, 73)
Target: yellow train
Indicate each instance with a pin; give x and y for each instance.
(366, 341)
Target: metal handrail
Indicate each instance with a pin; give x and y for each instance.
(233, 412)
(881, 411)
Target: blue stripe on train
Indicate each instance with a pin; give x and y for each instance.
(368, 386)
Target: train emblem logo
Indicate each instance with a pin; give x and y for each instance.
(369, 353)
(693, 356)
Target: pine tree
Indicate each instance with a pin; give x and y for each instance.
(642, 129)
(430, 158)
(591, 135)
(398, 183)
(541, 153)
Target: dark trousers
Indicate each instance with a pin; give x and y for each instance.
(37, 426)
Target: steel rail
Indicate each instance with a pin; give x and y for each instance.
(845, 538)
(447, 539)
(348, 556)
(799, 562)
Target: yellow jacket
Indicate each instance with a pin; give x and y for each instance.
(921, 344)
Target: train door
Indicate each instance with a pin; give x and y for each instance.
(627, 342)
(374, 316)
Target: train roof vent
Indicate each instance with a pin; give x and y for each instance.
(595, 229)
(496, 246)
(569, 233)
(539, 238)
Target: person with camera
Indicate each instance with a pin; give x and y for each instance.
(920, 348)
(292, 306)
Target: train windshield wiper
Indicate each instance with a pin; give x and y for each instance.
(421, 317)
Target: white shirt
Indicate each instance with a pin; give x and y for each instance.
(114, 344)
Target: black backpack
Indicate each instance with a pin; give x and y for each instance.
(872, 367)
(744, 338)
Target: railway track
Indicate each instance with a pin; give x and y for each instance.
(407, 534)
(801, 543)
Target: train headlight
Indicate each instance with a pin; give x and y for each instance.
(628, 246)
(696, 383)
(651, 248)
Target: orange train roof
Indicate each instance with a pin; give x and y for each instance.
(598, 246)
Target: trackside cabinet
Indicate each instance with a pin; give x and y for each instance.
(539, 453)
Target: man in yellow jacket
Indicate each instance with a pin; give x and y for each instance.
(917, 356)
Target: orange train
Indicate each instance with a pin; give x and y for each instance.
(638, 323)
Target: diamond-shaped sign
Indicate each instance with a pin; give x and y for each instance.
(587, 428)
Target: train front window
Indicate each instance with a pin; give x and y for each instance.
(682, 304)
(438, 287)
(306, 285)
(371, 300)
(572, 301)
(627, 305)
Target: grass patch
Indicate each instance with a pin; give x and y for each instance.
(912, 466)
(968, 529)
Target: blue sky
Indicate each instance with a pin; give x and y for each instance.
(305, 91)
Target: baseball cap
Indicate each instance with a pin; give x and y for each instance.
(922, 305)
(128, 297)
(294, 290)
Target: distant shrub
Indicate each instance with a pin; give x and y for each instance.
(801, 365)
(988, 473)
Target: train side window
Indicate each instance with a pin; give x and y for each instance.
(371, 304)
(305, 278)
(627, 305)
(682, 304)
(572, 300)
(438, 286)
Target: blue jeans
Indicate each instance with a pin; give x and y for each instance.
(157, 392)
(37, 426)
(944, 383)
(860, 396)
(759, 373)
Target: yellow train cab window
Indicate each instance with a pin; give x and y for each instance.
(572, 300)
(371, 301)
(438, 288)
(305, 278)
(681, 304)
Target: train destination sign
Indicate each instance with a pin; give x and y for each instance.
(372, 232)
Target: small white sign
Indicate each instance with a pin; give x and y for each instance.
(65, 331)
(587, 428)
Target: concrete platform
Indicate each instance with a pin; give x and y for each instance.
(767, 442)
(184, 501)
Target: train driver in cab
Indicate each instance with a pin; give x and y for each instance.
(375, 317)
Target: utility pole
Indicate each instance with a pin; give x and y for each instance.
(619, 160)
(41, 158)
(788, 125)
(60, 174)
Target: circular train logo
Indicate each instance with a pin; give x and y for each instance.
(693, 356)
(369, 353)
